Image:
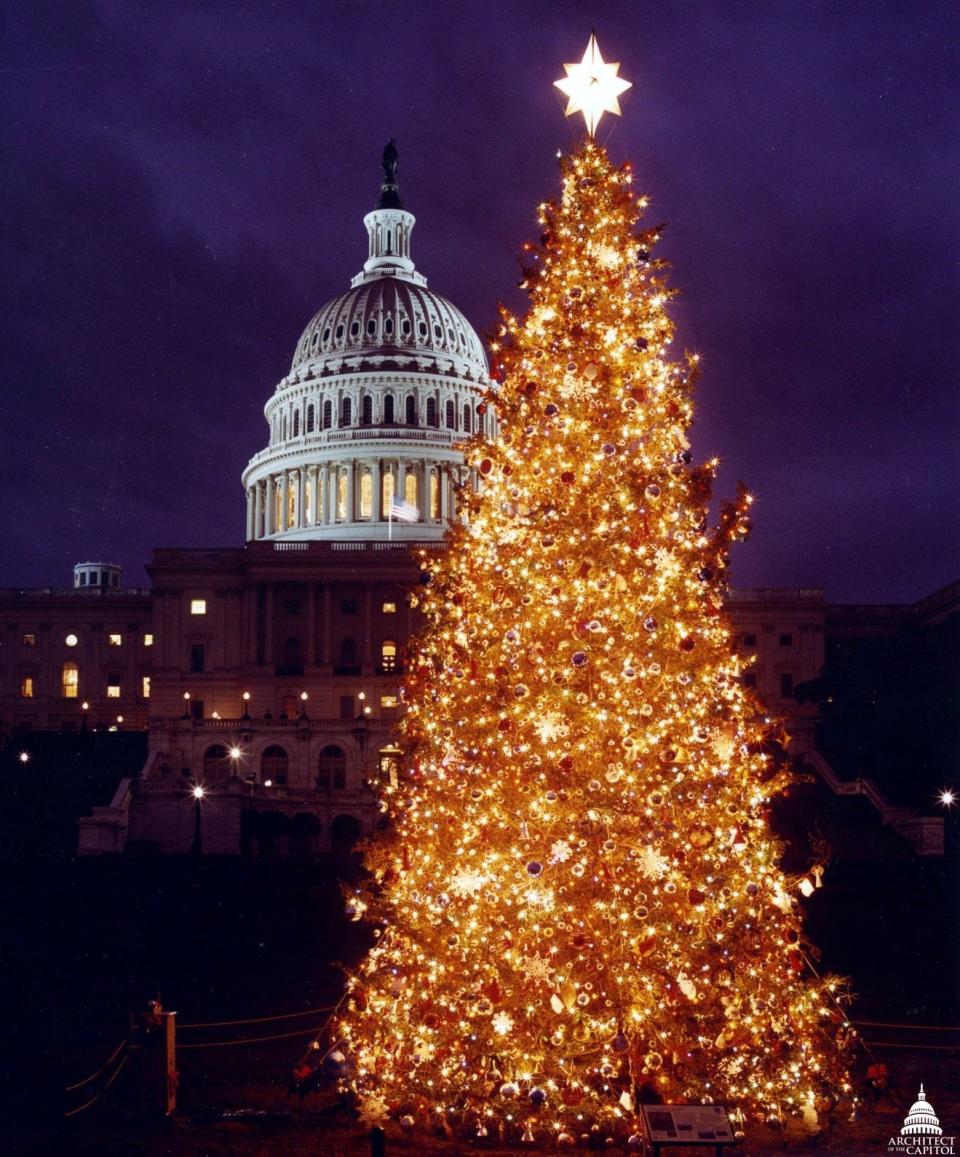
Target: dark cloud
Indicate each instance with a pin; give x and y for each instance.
(184, 187)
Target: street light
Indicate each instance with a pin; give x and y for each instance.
(85, 708)
(24, 757)
(186, 705)
(246, 705)
(303, 704)
(198, 793)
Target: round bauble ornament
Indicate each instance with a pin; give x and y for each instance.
(629, 673)
(509, 1089)
(696, 897)
(652, 492)
(407, 1122)
(641, 343)
(687, 643)
(568, 477)
(521, 691)
(534, 867)
(609, 449)
(485, 466)
(579, 658)
(620, 1042)
(426, 578)
(591, 371)
(551, 410)
(653, 1061)
(650, 624)
(537, 1097)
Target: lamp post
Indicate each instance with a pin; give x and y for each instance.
(186, 705)
(196, 848)
(303, 704)
(85, 709)
(246, 705)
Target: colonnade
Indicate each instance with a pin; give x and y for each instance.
(351, 491)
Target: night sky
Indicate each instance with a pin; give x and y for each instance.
(183, 188)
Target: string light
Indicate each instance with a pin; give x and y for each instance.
(579, 892)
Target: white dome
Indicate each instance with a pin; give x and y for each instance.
(389, 318)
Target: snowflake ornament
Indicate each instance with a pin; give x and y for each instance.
(502, 1023)
(536, 968)
(652, 864)
(373, 1111)
(467, 883)
(551, 727)
(560, 852)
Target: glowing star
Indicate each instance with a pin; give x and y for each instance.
(560, 852)
(467, 883)
(592, 87)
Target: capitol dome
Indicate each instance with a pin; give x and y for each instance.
(388, 381)
(921, 1119)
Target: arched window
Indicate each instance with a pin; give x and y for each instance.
(69, 680)
(411, 410)
(388, 657)
(389, 488)
(216, 763)
(274, 765)
(342, 496)
(311, 418)
(388, 408)
(366, 410)
(372, 326)
(432, 412)
(366, 495)
(466, 418)
(451, 416)
(388, 326)
(410, 493)
(296, 423)
(346, 412)
(332, 769)
(434, 494)
(327, 415)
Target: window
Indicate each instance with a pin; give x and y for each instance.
(366, 495)
(405, 327)
(389, 608)
(366, 410)
(749, 640)
(216, 763)
(347, 709)
(26, 687)
(786, 685)
(274, 765)
(289, 707)
(332, 769)
(348, 652)
(198, 606)
(410, 412)
(388, 656)
(71, 640)
(342, 496)
(434, 494)
(786, 640)
(451, 416)
(69, 680)
(372, 326)
(296, 424)
(388, 700)
(388, 408)
(113, 686)
(432, 412)
(311, 418)
(388, 326)
(283, 428)
(114, 640)
(388, 765)
(29, 640)
(422, 328)
(410, 489)
(750, 680)
(196, 709)
(198, 655)
(346, 412)
(466, 418)
(348, 606)
(327, 415)
(83, 578)
(148, 640)
(355, 329)
(291, 606)
(145, 687)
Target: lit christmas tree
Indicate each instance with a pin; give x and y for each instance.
(578, 900)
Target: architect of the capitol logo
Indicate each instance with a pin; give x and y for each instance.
(921, 1133)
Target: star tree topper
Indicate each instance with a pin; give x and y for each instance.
(592, 86)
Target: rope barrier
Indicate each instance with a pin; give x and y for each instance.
(924, 1027)
(93, 1100)
(889, 1044)
(253, 1040)
(256, 1020)
(106, 1064)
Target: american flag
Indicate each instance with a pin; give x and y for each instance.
(404, 511)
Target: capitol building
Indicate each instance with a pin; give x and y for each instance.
(265, 675)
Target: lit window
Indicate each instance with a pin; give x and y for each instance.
(145, 687)
(366, 495)
(198, 606)
(389, 608)
(69, 680)
(113, 690)
(388, 700)
(29, 640)
(71, 640)
(115, 640)
(148, 640)
(26, 687)
(388, 656)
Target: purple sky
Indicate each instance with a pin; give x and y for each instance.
(183, 187)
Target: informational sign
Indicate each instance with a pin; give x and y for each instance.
(687, 1125)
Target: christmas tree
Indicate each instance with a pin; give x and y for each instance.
(578, 900)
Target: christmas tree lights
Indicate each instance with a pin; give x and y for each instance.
(578, 900)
